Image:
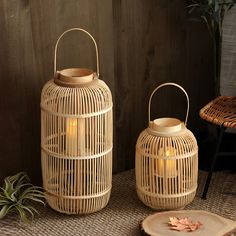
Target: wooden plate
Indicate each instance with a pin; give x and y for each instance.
(213, 225)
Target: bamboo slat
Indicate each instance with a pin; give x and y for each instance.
(166, 163)
(76, 139)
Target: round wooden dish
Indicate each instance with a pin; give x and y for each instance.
(157, 224)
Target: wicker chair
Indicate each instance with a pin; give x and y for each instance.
(222, 112)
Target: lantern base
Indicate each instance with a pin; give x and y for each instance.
(78, 206)
(167, 203)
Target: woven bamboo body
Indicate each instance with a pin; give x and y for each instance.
(166, 164)
(166, 181)
(76, 141)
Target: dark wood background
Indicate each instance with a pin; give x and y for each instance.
(142, 44)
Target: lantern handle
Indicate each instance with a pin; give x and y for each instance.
(75, 29)
(169, 84)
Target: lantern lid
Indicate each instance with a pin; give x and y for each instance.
(166, 126)
(74, 77)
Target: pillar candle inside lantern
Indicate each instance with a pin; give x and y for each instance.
(165, 167)
(75, 136)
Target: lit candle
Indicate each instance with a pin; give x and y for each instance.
(165, 167)
(75, 136)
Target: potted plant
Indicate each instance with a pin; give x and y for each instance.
(17, 194)
(212, 12)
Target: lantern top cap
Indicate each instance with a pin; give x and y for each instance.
(166, 125)
(73, 77)
(76, 73)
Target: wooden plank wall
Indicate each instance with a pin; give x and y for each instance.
(141, 43)
(155, 42)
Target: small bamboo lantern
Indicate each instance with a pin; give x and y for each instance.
(76, 139)
(166, 164)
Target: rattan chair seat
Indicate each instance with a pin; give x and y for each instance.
(220, 111)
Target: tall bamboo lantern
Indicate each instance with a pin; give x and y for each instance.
(166, 162)
(76, 139)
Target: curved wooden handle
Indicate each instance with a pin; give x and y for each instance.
(75, 29)
(169, 84)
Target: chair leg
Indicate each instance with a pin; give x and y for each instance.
(222, 129)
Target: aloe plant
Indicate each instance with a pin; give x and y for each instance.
(212, 12)
(17, 194)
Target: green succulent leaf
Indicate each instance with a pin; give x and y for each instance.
(33, 191)
(17, 194)
(4, 210)
(2, 203)
(23, 178)
(33, 198)
(31, 210)
(22, 214)
(8, 186)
